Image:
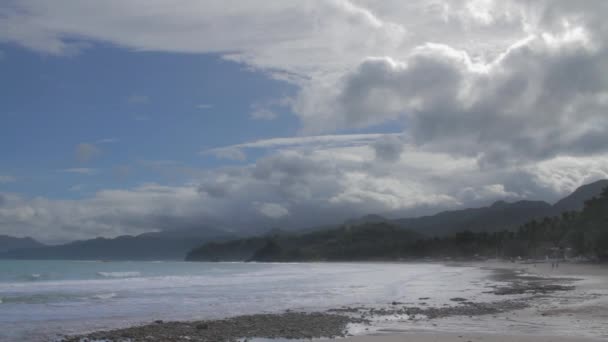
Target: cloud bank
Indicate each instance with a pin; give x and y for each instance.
(497, 100)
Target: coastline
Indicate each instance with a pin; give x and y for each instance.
(540, 297)
(554, 318)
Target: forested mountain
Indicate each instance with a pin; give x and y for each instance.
(368, 241)
(8, 243)
(576, 200)
(499, 216)
(353, 239)
(484, 232)
(165, 245)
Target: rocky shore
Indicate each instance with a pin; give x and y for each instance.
(289, 325)
(335, 322)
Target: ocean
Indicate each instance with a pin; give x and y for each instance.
(42, 299)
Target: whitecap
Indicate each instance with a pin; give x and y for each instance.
(118, 274)
(105, 295)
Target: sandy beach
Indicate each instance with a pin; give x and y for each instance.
(531, 302)
(465, 337)
(587, 304)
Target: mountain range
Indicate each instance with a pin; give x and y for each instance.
(8, 243)
(359, 239)
(164, 245)
(175, 244)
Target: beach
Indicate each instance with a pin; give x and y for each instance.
(523, 302)
(465, 337)
(566, 317)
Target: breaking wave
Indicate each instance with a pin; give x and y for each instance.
(119, 274)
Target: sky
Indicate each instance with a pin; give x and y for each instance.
(129, 116)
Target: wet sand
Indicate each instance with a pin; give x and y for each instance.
(577, 315)
(533, 303)
(466, 337)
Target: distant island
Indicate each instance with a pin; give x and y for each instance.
(495, 231)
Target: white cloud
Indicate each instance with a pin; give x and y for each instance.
(315, 140)
(542, 97)
(263, 114)
(108, 141)
(316, 186)
(81, 170)
(230, 153)
(388, 148)
(108, 213)
(235, 152)
(324, 32)
(499, 100)
(463, 75)
(273, 210)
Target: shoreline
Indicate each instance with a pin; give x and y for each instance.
(531, 283)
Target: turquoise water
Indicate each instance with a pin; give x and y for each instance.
(47, 298)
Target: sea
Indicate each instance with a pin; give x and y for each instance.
(41, 300)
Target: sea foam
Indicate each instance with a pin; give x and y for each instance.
(119, 274)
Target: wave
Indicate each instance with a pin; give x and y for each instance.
(34, 277)
(40, 298)
(105, 295)
(119, 274)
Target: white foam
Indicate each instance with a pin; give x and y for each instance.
(105, 295)
(119, 274)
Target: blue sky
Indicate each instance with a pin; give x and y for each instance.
(123, 117)
(135, 107)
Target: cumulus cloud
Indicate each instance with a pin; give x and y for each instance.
(273, 210)
(108, 213)
(305, 187)
(543, 96)
(501, 79)
(498, 99)
(388, 148)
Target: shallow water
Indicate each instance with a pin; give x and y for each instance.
(47, 298)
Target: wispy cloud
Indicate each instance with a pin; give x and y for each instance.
(268, 109)
(333, 140)
(234, 152)
(230, 153)
(7, 179)
(80, 170)
(263, 114)
(138, 99)
(108, 140)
